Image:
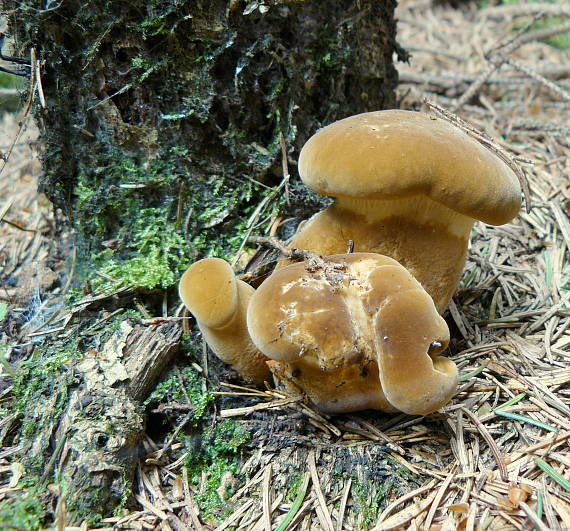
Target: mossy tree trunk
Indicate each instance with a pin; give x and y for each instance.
(160, 118)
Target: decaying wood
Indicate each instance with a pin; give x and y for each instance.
(99, 436)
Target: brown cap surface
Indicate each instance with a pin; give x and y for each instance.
(328, 328)
(208, 288)
(396, 154)
(297, 314)
(409, 334)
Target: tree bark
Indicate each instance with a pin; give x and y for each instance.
(214, 81)
(171, 112)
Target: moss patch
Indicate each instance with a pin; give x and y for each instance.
(22, 511)
(214, 452)
(219, 456)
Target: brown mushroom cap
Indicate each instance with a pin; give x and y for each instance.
(219, 303)
(395, 154)
(407, 329)
(208, 289)
(321, 327)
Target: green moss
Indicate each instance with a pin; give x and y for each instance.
(42, 385)
(295, 482)
(368, 501)
(218, 456)
(212, 452)
(23, 511)
(41, 389)
(174, 386)
(154, 254)
(11, 102)
(153, 243)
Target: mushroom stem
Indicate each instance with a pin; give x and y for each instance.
(219, 303)
(426, 237)
(232, 343)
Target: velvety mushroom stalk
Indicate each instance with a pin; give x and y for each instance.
(322, 332)
(219, 303)
(409, 186)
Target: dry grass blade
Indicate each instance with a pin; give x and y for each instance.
(533, 517)
(491, 442)
(342, 508)
(235, 516)
(439, 496)
(240, 411)
(327, 523)
(266, 498)
(533, 74)
(407, 514)
(402, 499)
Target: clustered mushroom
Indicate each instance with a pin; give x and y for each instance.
(363, 330)
(358, 333)
(409, 186)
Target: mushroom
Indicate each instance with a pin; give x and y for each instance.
(218, 301)
(358, 332)
(409, 186)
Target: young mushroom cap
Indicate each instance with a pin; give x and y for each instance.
(320, 325)
(209, 290)
(219, 303)
(408, 186)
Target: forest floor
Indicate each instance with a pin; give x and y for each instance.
(497, 456)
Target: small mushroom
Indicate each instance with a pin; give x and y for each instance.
(358, 333)
(408, 186)
(218, 301)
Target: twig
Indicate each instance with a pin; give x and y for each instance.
(523, 10)
(496, 60)
(274, 193)
(331, 270)
(489, 143)
(284, 166)
(39, 86)
(167, 408)
(174, 435)
(540, 79)
(238, 411)
(18, 226)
